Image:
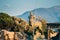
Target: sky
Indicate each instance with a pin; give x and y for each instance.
(18, 7)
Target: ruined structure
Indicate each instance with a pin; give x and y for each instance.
(31, 19)
(33, 22)
(35, 27)
(36, 24)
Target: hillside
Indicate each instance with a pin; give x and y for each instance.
(49, 14)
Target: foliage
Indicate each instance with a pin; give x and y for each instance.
(5, 20)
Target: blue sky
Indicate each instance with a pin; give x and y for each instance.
(18, 7)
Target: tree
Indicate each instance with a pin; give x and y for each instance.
(5, 21)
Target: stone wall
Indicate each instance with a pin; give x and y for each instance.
(6, 35)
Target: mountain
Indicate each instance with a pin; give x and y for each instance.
(49, 14)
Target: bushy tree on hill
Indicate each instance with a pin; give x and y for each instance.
(5, 21)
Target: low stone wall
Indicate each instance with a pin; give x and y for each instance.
(6, 35)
